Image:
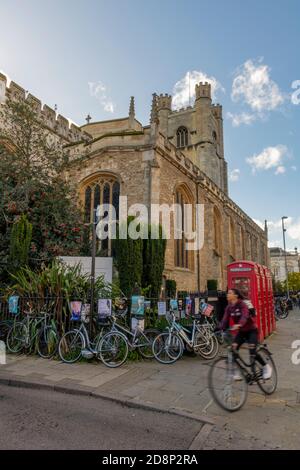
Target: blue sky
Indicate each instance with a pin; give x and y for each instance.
(91, 56)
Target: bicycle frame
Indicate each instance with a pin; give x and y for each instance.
(131, 337)
(182, 331)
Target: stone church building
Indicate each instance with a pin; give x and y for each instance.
(177, 158)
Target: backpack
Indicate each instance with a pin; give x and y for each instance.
(251, 309)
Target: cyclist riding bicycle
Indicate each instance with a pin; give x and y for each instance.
(241, 320)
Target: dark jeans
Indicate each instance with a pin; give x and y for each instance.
(250, 337)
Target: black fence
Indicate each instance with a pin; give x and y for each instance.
(60, 311)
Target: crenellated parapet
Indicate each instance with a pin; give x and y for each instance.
(179, 159)
(61, 126)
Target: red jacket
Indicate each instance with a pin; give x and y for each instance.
(238, 314)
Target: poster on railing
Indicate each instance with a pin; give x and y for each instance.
(188, 306)
(137, 305)
(174, 307)
(75, 307)
(137, 323)
(161, 309)
(85, 312)
(104, 308)
(147, 305)
(13, 304)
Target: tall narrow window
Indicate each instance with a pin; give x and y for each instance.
(183, 256)
(182, 137)
(232, 238)
(217, 232)
(103, 189)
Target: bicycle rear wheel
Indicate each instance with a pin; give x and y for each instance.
(16, 337)
(113, 349)
(146, 342)
(227, 384)
(47, 342)
(268, 386)
(167, 348)
(70, 346)
(5, 326)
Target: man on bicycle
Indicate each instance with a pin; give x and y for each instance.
(241, 320)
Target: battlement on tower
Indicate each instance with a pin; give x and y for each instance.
(203, 90)
(164, 101)
(217, 110)
(58, 124)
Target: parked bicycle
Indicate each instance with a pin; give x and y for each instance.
(281, 309)
(35, 332)
(116, 344)
(168, 346)
(230, 376)
(5, 326)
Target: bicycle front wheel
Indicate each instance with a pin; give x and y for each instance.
(70, 346)
(47, 342)
(167, 348)
(227, 384)
(16, 337)
(268, 386)
(113, 349)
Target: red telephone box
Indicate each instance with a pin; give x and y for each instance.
(257, 279)
(271, 309)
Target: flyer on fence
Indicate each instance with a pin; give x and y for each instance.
(75, 307)
(104, 308)
(161, 309)
(137, 323)
(137, 305)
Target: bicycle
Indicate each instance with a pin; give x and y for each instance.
(76, 343)
(115, 345)
(33, 331)
(168, 346)
(5, 326)
(230, 376)
(281, 309)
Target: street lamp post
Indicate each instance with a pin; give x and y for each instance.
(285, 256)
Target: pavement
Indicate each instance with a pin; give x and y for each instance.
(181, 390)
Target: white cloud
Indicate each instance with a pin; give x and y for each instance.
(280, 170)
(254, 87)
(234, 175)
(241, 118)
(292, 226)
(269, 158)
(99, 91)
(184, 89)
(294, 168)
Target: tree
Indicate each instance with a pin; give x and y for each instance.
(32, 182)
(294, 281)
(153, 262)
(129, 260)
(140, 262)
(20, 241)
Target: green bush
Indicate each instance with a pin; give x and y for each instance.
(212, 284)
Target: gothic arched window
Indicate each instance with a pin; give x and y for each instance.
(183, 256)
(182, 137)
(217, 232)
(102, 189)
(232, 238)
